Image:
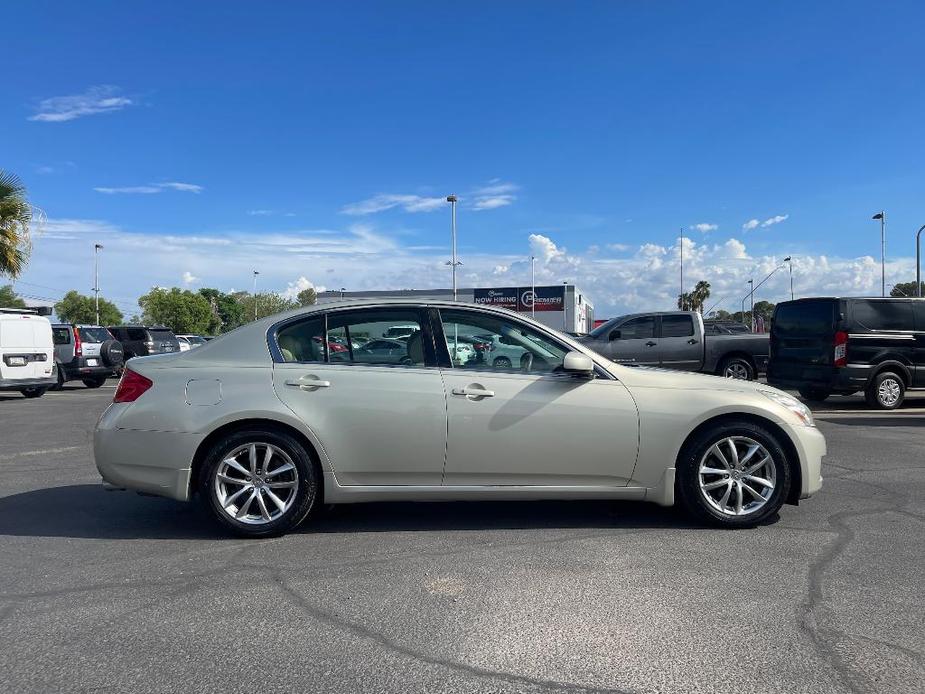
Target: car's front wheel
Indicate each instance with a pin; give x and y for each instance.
(734, 474)
(259, 483)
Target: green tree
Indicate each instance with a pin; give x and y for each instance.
(764, 310)
(905, 289)
(227, 312)
(180, 310)
(696, 298)
(267, 304)
(721, 314)
(78, 308)
(8, 298)
(307, 297)
(15, 218)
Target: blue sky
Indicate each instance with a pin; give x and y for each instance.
(200, 141)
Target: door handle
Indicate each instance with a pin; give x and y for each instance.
(692, 341)
(308, 383)
(471, 392)
(651, 344)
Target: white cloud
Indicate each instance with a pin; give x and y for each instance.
(152, 189)
(750, 224)
(260, 213)
(386, 201)
(292, 289)
(494, 195)
(363, 257)
(618, 247)
(99, 99)
(777, 219)
(704, 227)
(189, 278)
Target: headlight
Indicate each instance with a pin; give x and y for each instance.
(792, 404)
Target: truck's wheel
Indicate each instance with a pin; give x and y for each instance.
(738, 368)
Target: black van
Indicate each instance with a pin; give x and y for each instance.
(141, 341)
(840, 346)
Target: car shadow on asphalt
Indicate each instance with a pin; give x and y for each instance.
(89, 511)
(883, 420)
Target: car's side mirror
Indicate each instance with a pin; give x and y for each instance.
(578, 364)
(615, 335)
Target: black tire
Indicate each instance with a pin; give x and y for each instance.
(34, 392)
(62, 379)
(814, 394)
(737, 367)
(502, 363)
(94, 382)
(688, 481)
(307, 494)
(886, 391)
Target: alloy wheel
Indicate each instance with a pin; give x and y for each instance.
(736, 370)
(256, 483)
(889, 391)
(737, 476)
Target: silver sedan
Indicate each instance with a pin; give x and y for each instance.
(268, 422)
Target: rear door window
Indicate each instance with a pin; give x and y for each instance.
(136, 334)
(162, 336)
(677, 326)
(882, 315)
(94, 334)
(352, 334)
(61, 336)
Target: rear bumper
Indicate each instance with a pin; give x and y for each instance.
(78, 368)
(157, 462)
(20, 383)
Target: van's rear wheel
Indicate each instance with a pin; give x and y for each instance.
(814, 394)
(734, 474)
(94, 382)
(886, 391)
(259, 483)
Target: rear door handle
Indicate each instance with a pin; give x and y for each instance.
(308, 383)
(692, 341)
(471, 392)
(651, 344)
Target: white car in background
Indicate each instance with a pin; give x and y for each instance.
(264, 424)
(188, 342)
(27, 353)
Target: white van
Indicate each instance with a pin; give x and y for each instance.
(27, 353)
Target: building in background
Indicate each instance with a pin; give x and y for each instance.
(560, 306)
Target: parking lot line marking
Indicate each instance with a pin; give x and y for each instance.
(44, 451)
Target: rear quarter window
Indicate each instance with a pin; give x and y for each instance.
(882, 315)
(94, 334)
(162, 335)
(61, 336)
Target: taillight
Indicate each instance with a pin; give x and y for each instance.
(131, 386)
(78, 347)
(841, 348)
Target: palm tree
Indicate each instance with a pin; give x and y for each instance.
(15, 218)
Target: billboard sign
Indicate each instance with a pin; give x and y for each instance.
(522, 298)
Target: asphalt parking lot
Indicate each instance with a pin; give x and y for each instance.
(111, 591)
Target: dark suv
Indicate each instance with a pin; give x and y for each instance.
(141, 341)
(841, 346)
(86, 353)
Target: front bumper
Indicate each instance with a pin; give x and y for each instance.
(157, 462)
(811, 447)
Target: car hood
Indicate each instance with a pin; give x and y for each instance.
(653, 377)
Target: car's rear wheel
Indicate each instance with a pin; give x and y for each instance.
(94, 382)
(34, 392)
(814, 394)
(502, 363)
(259, 483)
(734, 475)
(738, 368)
(886, 391)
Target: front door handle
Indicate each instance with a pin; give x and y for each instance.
(308, 383)
(692, 341)
(651, 344)
(474, 392)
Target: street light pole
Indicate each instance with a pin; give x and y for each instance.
(97, 247)
(789, 262)
(751, 310)
(681, 249)
(533, 287)
(256, 272)
(882, 217)
(452, 199)
(918, 263)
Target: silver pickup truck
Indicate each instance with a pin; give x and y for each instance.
(677, 340)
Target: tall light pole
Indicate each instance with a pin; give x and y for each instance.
(533, 287)
(882, 217)
(754, 286)
(918, 263)
(452, 199)
(97, 247)
(681, 249)
(256, 272)
(751, 310)
(789, 262)
(342, 290)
